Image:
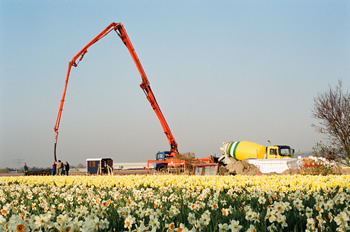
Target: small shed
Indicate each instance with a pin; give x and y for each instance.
(99, 166)
(208, 169)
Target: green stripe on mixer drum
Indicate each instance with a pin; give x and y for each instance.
(229, 148)
(232, 149)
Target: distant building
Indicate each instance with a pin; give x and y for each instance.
(12, 170)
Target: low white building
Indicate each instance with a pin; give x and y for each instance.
(130, 166)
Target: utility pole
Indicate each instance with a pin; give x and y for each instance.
(18, 161)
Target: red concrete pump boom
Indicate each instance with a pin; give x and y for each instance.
(145, 85)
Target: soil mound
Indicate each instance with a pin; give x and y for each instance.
(291, 172)
(242, 168)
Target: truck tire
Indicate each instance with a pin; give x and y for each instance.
(163, 168)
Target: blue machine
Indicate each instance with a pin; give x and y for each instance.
(162, 155)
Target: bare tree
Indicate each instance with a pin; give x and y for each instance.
(332, 109)
(79, 165)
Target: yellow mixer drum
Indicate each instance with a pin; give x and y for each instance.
(242, 150)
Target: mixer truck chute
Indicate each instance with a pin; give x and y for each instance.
(145, 85)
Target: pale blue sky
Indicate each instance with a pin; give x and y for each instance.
(220, 70)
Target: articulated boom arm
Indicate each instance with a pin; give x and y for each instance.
(119, 29)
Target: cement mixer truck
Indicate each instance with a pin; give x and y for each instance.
(241, 150)
(277, 158)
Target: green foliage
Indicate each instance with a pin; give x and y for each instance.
(4, 170)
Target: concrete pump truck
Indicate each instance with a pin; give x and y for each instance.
(145, 85)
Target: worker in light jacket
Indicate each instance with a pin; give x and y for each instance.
(59, 167)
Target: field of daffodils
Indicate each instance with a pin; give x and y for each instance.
(175, 203)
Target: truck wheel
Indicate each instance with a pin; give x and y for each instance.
(163, 168)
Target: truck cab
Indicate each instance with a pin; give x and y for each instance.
(279, 151)
(162, 156)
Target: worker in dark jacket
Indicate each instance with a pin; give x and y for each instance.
(53, 170)
(25, 169)
(67, 168)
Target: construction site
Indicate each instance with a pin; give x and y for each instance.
(237, 157)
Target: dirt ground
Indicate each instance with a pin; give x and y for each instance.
(242, 168)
